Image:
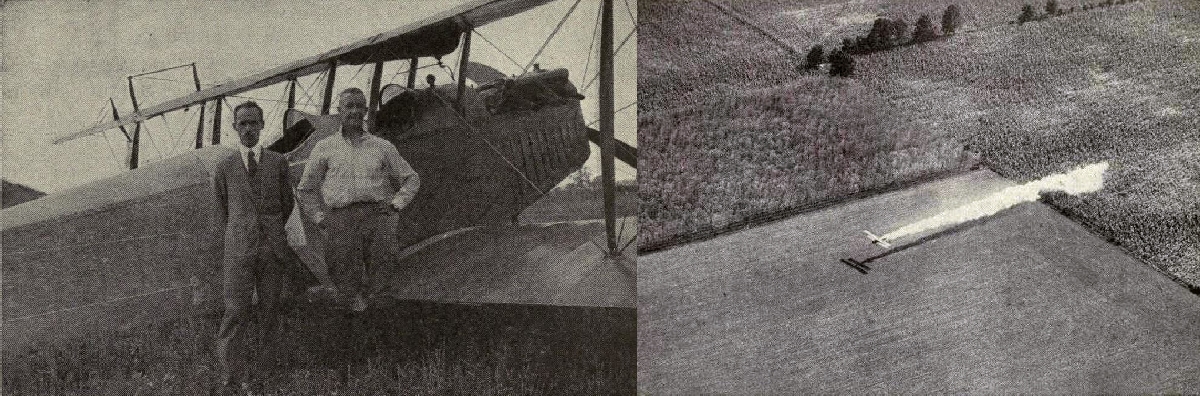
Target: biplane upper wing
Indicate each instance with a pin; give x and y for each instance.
(436, 35)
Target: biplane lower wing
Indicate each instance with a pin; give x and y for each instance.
(139, 247)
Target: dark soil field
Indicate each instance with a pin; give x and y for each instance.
(1025, 302)
(1109, 84)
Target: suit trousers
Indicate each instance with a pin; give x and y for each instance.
(243, 276)
(362, 244)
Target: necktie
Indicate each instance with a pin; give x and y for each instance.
(251, 164)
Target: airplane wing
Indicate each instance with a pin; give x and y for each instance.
(436, 35)
(878, 240)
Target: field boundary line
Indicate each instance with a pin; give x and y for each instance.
(1094, 229)
(746, 20)
(765, 217)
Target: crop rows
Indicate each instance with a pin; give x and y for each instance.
(1109, 84)
(742, 155)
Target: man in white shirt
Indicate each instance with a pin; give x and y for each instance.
(354, 186)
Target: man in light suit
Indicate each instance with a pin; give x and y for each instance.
(254, 200)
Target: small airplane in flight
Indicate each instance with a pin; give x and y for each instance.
(878, 240)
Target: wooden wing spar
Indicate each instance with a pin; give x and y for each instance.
(435, 36)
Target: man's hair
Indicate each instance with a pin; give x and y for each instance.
(352, 90)
(249, 104)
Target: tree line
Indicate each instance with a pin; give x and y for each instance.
(1030, 14)
(885, 34)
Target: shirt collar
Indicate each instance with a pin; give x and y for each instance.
(257, 149)
(364, 136)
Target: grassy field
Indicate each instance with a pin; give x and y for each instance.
(402, 348)
(745, 154)
(1113, 83)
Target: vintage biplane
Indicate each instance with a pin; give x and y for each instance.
(139, 247)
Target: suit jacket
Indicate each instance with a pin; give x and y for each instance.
(253, 211)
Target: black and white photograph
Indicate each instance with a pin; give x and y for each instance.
(319, 197)
(919, 197)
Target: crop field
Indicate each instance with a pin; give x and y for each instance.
(1118, 84)
(746, 154)
(1114, 83)
(1024, 302)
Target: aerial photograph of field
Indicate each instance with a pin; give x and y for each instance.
(1026, 173)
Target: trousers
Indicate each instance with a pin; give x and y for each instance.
(245, 276)
(362, 245)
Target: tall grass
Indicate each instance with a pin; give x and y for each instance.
(1107, 84)
(749, 153)
(1112, 83)
(399, 348)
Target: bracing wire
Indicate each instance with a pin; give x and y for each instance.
(174, 140)
(615, 51)
(185, 129)
(592, 44)
(360, 69)
(492, 146)
(397, 73)
(630, 11)
(485, 39)
(108, 143)
(275, 111)
(550, 37)
(308, 93)
(149, 138)
(631, 104)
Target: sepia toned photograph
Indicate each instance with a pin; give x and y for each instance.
(319, 198)
(919, 197)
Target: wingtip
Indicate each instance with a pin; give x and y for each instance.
(878, 240)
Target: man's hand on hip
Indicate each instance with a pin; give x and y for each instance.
(386, 208)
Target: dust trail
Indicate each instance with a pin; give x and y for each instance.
(1086, 179)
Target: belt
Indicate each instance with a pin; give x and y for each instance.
(360, 204)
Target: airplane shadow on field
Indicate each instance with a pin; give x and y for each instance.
(861, 265)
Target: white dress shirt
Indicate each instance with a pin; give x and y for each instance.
(257, 149)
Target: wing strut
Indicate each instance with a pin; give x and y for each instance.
(200, 123)
(373, 96)
(137, 130)
(462, 70)
(328, 99)
(216, 138)
(607, 172)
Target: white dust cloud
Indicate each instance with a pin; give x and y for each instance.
(1083, 180)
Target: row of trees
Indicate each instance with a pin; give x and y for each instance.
(1029, 14)
(885, 34)
(890, 33)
